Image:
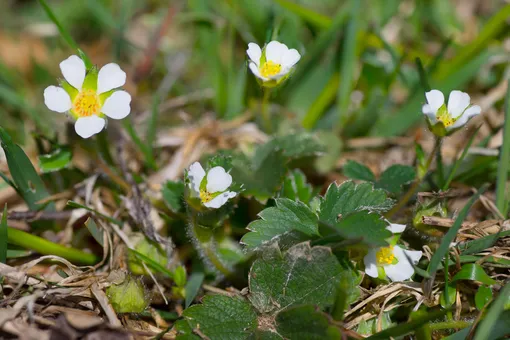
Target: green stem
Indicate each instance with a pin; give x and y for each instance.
(504, 161)
(45, 247)
(409, 194)
(266, 117)
(439, 164)
(449, 325)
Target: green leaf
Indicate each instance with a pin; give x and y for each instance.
(368, 227)
(483, 295)
(303, 275)
(222, 317)
(393, 178)
(499, 330)
(314, 18)
(173, 193)
(296, 188)
(57, 160)
(451, 289)
(355, 170)
(193, 286)
(150, 263)
(473, 272)
(95, 231)
(305, 322)
(489, 324)
(285, 217)
(504, 161)
(3, 236)
(481, 244)
(349, 198)
(451, 234)
(28, 183)
(263, 178)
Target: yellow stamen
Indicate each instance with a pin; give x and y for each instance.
(385, 255)
(444, 116)
(205, 196)
(87, 103)
(270, 69)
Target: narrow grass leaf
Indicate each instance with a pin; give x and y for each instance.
(323, 101)
(406, 328)
(452, 232)
(3, 236)
(308, 15)
(487, 324)
(106, 217)
(152, 264)
(193, 286)
(423, 75)
(504, 160)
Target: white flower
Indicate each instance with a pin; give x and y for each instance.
(212, 187)
(88, 95)
(273, 64)
(454, 116)
(393, 259)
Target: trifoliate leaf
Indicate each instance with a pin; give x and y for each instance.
(368, 227)
(296, 188)
(220, 317)
(393, 178)
(349, 198)
(173, 193)
(355, 170)
(262, 178)
(305, 322)
(304, 275)
(285, 217)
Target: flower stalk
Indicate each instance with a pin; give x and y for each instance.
(266, 115)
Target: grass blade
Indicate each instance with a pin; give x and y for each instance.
(406, 328)
(3, 236)
(423, 75)
(504, 160)
(322, 102)
(485, 327)
(312, 17)
(452, 232)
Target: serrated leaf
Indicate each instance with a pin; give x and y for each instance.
(173, 193)
(473, 272)
(349, 198)
(263, 178)
(368, 227)
(28, 183)
(221, 317)
(393, 178)
(355, 170)
(482, 296)
(296, 188)
(304, 275)
(285, 217)
(305, 322)
(55, 161)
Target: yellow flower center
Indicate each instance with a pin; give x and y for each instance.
(385, 255)
(444, 116)
(270, 69)
(205, 196)
(87, 103)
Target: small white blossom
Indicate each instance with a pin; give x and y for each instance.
(273, 64)
(394, 260)
(444, 119)
(211, 187)
(88, 95)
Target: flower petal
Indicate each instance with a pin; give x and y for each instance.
(218, 180)
(403, 270)
(396, 228)
(431, 114)
(196, 174)
(74, 70)
(110, 77)
(472, 111)
(89, 126)
(255, 70)
(219, 200)
(254, 52)
(57, 99)
(435, 99)
(275, 51)
(290, 58)
(370, 262)
(117, 105)
(458, 101)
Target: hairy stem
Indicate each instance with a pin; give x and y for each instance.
(449, 325)
(266, 117)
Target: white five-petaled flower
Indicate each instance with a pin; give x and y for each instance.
(88, 95)
(210, 188)
(393, 260)
(452, 116)
(273, 64)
